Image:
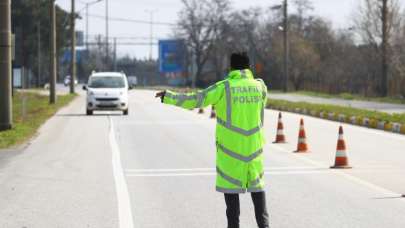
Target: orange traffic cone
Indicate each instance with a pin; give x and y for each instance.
(213, 114)
(341, 161)
(200, 111)
(302, 146)
(280, 138)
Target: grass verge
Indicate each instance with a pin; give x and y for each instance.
(26, 121)
(335, 110)
(348, 96)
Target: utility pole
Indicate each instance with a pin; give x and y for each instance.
(6, 117)
(106, 35)
(151, 12)
(87, 21)
(115, 54)
(384, 47)
(286, 45)
(39, 48)
(39, 53)
(151, 35)
(52, 53)
(73, 48)
(87, 26)
(193, 70)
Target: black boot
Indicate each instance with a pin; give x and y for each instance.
(259, 202)
(232, 210)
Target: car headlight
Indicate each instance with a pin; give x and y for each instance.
(91, 93)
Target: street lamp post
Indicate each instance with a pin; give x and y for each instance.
(5, 65)
(106, 35)
(384, 49)
(87, 21)
(284, 29)
(286, 45)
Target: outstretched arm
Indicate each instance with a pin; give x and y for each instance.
(203, 98)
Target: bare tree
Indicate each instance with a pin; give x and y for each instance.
(377, 21)
(304, 63)
(198, 24)
(96, 56)
(322, 58)
(398, 60)
(303, 7)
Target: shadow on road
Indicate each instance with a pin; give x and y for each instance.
(389, 197)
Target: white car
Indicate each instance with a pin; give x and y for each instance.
(107, 91)
(66, 81)
(132, 81)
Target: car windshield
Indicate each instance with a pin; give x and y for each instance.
(106, 82)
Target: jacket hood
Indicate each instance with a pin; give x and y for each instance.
(241, 74)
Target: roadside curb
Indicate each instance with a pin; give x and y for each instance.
(342, 118)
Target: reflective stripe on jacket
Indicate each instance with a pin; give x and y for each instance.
(239, 102)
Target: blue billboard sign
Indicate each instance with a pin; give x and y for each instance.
(171, 56)
(67, 56)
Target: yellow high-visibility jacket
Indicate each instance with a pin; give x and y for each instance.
(239, 102)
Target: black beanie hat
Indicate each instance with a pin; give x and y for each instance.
(239, 61)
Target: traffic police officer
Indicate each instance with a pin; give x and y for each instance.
(239, 101)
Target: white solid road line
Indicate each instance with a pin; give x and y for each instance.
(171, 174)
(191, 174)
(169, 123)
(124, 206)
(285, 170)
(343, 174)
(212, 169)
(169, 170)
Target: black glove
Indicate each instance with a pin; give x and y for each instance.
(161, 95)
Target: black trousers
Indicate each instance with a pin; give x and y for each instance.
(233, 209)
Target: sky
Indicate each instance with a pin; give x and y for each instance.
(338, 12)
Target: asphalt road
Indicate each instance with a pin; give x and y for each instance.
(155, 168)
(369, 105)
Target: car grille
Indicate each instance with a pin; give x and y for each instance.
(106, 99)
(106, 106)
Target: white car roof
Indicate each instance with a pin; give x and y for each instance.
(109, 74)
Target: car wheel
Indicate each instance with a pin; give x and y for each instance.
(89, 112)
(125, 112)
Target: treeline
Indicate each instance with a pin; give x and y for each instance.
(366, 58)
(31, 26)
